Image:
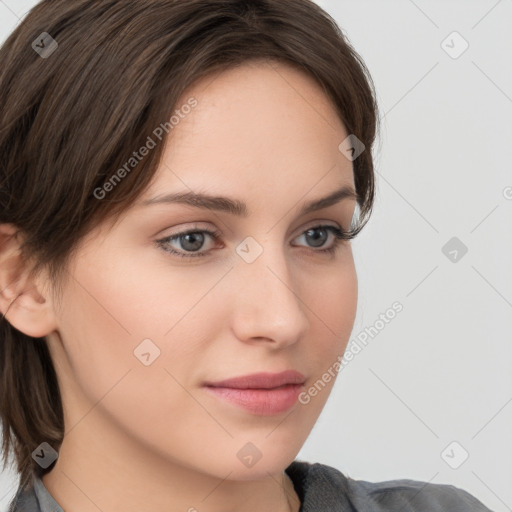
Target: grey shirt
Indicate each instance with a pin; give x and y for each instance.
(320, 488)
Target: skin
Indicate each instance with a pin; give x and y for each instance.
(267, 135)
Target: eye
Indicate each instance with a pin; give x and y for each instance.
(192, 241)
(339, 235)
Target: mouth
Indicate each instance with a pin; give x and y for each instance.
(261, 393)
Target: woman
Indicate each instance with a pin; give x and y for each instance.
(180, 183)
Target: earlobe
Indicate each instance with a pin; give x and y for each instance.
(21, 302)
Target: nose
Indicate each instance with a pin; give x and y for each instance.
(268, 304)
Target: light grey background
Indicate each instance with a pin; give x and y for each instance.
(441, 370)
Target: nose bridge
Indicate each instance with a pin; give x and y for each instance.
(268, 305)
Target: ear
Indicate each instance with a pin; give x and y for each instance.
(21, 298)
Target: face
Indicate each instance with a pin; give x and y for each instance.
(146, 320)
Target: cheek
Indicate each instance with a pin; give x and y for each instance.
(106, 315)
(333, 304)
(111, 310)
(332, 301)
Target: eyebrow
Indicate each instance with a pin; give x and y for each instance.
(239, 208)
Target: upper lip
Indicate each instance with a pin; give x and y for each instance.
(262, 380)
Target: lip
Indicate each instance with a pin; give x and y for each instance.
(262, 380)
(263, 393)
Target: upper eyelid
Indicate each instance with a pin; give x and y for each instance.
(216, 234)
(194, 227)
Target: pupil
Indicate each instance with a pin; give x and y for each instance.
(316, 238)
(195, 246)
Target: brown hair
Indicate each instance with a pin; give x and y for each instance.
(73, 117)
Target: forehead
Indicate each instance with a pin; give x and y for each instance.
(256, 121)
(257, 92)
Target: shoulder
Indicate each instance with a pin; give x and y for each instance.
(417, 496)
(25, 499)
(345, 493)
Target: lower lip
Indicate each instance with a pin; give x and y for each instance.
(264, 402)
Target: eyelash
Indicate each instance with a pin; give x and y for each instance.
(339, 234)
